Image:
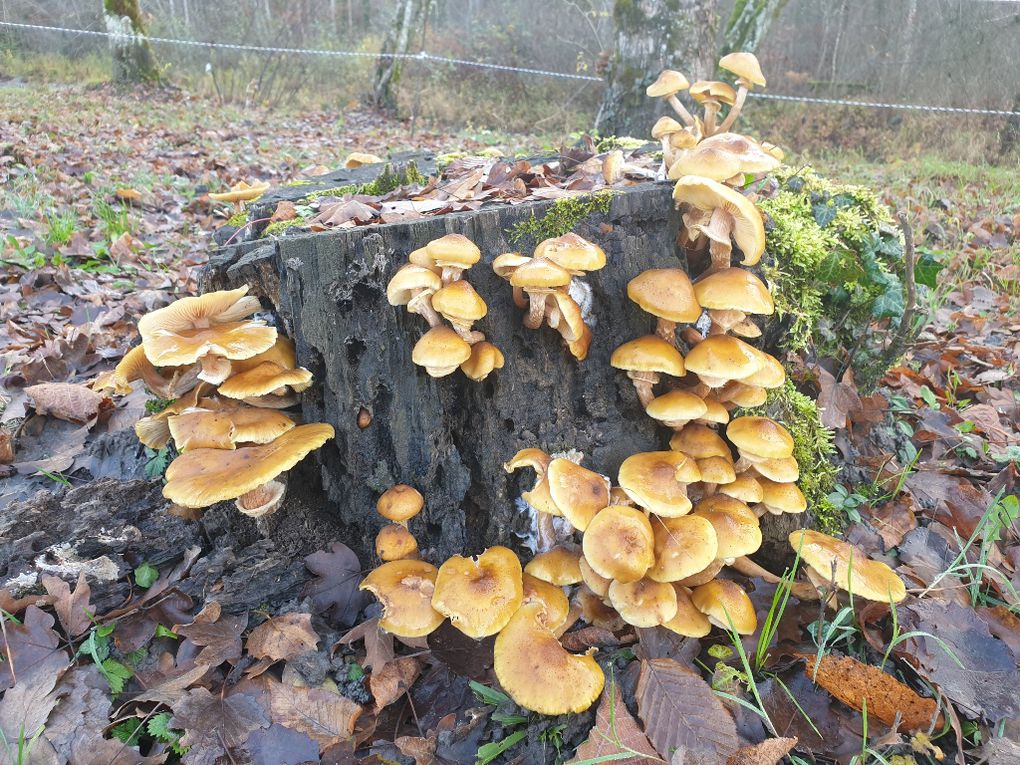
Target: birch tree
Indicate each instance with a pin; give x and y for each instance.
(408, 19)
(132, 57)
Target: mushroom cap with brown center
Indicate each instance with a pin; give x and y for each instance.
(405, 589)
(782, 497)
(479, 595)
(855, 572)
(552, 598)
(734, 289)
(745, 66)
(539, 274)
(557, 566)
(395, 542)
(761, 436)
(726, 605)
(649, 353)
(441, 351)
(723, 156)
(538, 673)
(572, 252)
(717, 470)
(202, 477)
(644, 603)
(676, 405)
(649, 478)
(454, 250)
(721, 358)
(748, 227)
(683, 547)
(241, 191)
(459, 302)
(737, 529)
(688, 621)
(744, 487)
(409, 280)
(666, 293)
(204, 429)
(264, 379)
(667, 83)
(485, 357)
(579, 493)
(699, 442)
(618, 544)
(400, 503)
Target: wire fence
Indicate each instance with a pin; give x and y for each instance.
(425, 56)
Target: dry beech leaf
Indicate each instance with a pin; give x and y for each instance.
(855, 683)
(378, 643)
(283, 637)
(681, 712)
(327, 717)
(615, 732)
(66, 401)
(768, 752)
(423, 750)
(285, 210)
(73, 609)
(391, 681)
(214, 725)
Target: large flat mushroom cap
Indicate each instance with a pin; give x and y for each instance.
(667, 83)
(572, 252)
(649, 353)
(579, 493)
(405, 588)
(760, 436)
(538, 673)
(734, 289)
(748, 227)
(618, 544)
(723, 357)
(666, 293)
(453, 250)
(264, 379)
(726, 605)
(202, 477)
(649, 478)
(745, 66)
(855, 572)
(479, 595)
(683, 547)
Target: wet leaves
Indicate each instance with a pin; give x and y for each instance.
(615, 733)
(215, 726)
(334, 590)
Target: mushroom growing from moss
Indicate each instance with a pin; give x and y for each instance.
(405, 589)
(722, 214)
(479, 595)
(668, 295)
(644, 360)
(240, 193)
(730, 294)
(748, 71)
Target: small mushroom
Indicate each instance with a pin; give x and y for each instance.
(263, 500)
(573, 253)
(688, 621)
(724, 157)
(167, 382)
(557, 566)
(736, 526)
(644, 359)
(479, 595)
(779, 498)
(718, 359)
(595, 610)
(716, 471)
(551, 598)
(781, 470)
(539, 279)
(666, 86)
(538, 498)
(724, 213)
(224, 429)
(395, 542)
(726, 605)
(358, 158)
(577, 492)
(240, 193)
(618, 544)
(730, 294)
(748, 70)
(650, 479)
(593, 580)
(441, 351)
(400, 503)
(414, 285)
(676, 408)
(485, 357)
(462, 306)
(644, 603)
(744, 487)
(760, 437)
(715, 413)
(504, 266)
(836, 561)
(405, 588)
(712, 94)
(154, 431)
(699, 442)
(667, 294)
(454, 253)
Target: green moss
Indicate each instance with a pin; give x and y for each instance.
(624, 142)
(561, 218)
(277, 228)
(298, 182)
(812, 447)
(388, 180)
(339, 191)
(238, 219)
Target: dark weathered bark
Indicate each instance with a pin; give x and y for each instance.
(652, 35)
(749, 23)
(407, 23)
(132, 57)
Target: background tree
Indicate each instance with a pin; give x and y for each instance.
(409, 17)
(748, 24)
(652, 35)
(132, 58)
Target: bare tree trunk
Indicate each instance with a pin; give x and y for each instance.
(749, 23)
(408, 19)
(132, 58)
(652, 35)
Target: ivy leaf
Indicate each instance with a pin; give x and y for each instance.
(823, 213)
(926, 270)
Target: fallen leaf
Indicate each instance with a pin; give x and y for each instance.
(334, 591)
(391, 681)
(66, 401)
(220, 639)
(615, 733)
(73, 609)
(423, 750)
(285, 210)
(378, 643)
(327, 717)
(283, 637)
(768, 752)
(278, 745)
(214, 726)
(30, 648)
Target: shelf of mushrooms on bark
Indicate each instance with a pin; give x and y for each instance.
(651, 548)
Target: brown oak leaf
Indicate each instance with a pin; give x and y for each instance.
(283, 637)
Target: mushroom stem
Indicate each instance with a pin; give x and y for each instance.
(711, 109)
(708, 489)
(643, 382)
(691, 336)
(666, 329)
(451, 274)
(734, 112)
(667, 158)
(520, 299)
(536, 310)
(724, 320)
(546, 532)
(748, 567)
(421, 304)
(680, 110)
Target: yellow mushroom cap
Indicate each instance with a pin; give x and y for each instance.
(538, 673)
(676, 405)
(715, 413)
(683, 547)
(699, 442)
(689, 621)
(748, 227)
(760, 436)
(713, 90)
(737, 530)
(744, 487)
(706, 575)
(395, 542)
(421, 257)
(214, 323)
(166, 383)
(400, 503)
(282, 353)
(745, 66)
(458, 301)
(579, 493)
(204, 429)
(649, 478)
(264, 379)
(571, 325)
(720, 358)
(540, 275)
(687, 471)
(618, 544)
(551, 597)
(855, 572)
(405, 589)
(504, 265)
(717, 470)
(648, 354)
(667, 83)
(359, 158)
(154, 431)
(742, 394)
(479, 595)
(572, 252)
(453, 250)
(441, 351)
(666, 293)
(784, 470)
(242, 191)
(734, 289)
(726, 605)
(771, 374)
(536, 459)
(665, 126)
(485, 357)
(723, 156)
(644, 603)
(202, 477)
(557, 566)
(408, 281)
(780, 498)
(594, 581)
(596, 610)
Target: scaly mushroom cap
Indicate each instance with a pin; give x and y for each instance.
(734, 289)
(771, 374)
(744, 487)
(716, 91)
(667, 83)
(778, 498)
(683, 547)
(689, 621)
(855, 572)
(479, 595)
(400, 503)
(720, 358)
(619, 544)
(538, 673)
(395, 542)
(707, 195)
(458, 301)
(359, 158)
(676, 405)
(726, 605)
(699, 442)
(579, 493)
(649, 353)
(202, 477)
(572, 252)
(408, 281)
(192, 327)
(453, 250)
(760, 436)
(717, 470)
(723, 156)
(440, 351)
(168, 382)
(405, 589)
(485, 357)
(242, 191)
(649, 478)
(551, 598)
(557, 566)
(264, 379)
(784, 470)
(745, 66)
(204, 429)
(666, 293)
(539, 275)
(644, 603)
(593, 580)
(736, 526)
(504, 265)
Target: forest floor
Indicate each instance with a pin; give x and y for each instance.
(104, 216)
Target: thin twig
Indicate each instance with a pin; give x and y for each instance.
(903, 331)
